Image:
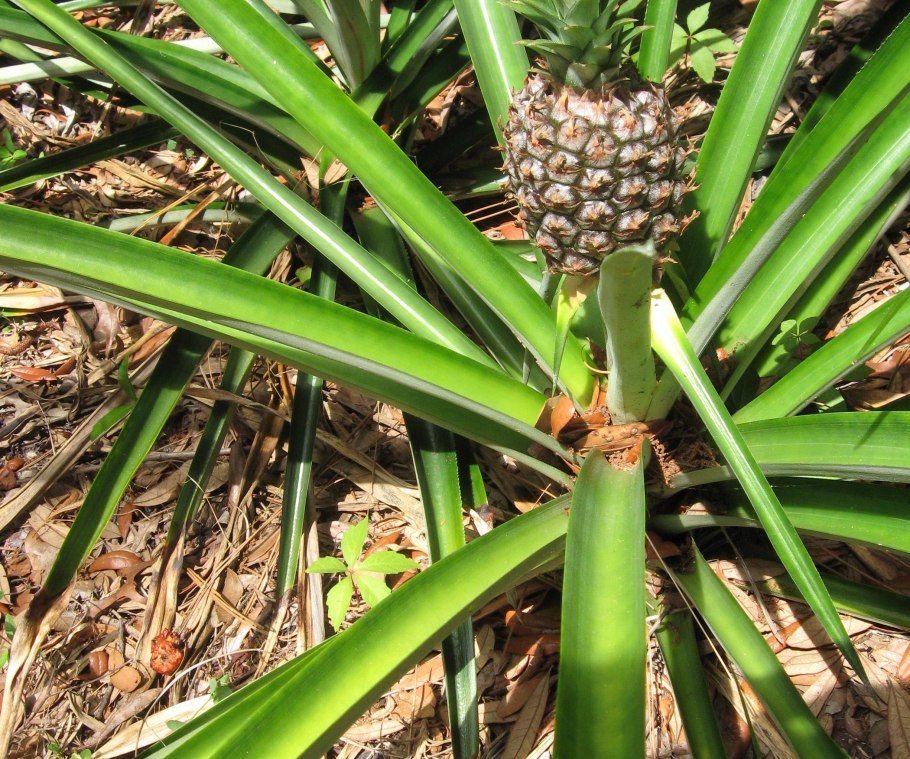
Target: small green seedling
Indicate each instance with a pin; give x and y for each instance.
(360, 572)
(220, 687)
(55, 750)
(9, 153)
(701, 44)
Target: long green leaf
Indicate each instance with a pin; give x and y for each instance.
(600, 700)
(832, 361)
(437, 468)
(305, 414)
(654, 54)
(253, 250)
(858, 599)
(388, 173)
(623, 293)
(739, 637)
(27, 172)
(875, 89)
(747, 104)
(676, 636)
(315, 697)
(879, 165)
(874, 515)
(369, 274)
(871, 446)
(671, 344)
(263, 316)
(845, 76)
(152, 410)
(501, 63)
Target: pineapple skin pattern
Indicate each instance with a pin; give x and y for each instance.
(594, 171)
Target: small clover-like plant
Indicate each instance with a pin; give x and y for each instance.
(220, 687)
(365, 573)
(701, 44)
(9, 153)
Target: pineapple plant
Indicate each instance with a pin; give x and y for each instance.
(591, 148)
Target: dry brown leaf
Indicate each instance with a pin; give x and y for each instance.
(517, 696)
(41, 555)
(531, 623)
(374, 730)
(31, 631)
(523, 733)
(899, 720)
(232, 591)
(903, 669)
(164, 490)
(154, 728)
(126, 679)
(809, 633)
(805, 667)
(533, 644)
(484, 640)
(37, 298)
(816, 695)
(414, 703)
(32, 374)
(118, 561)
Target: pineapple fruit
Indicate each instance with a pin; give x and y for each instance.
(591, 149)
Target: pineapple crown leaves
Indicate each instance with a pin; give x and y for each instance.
(583, 42)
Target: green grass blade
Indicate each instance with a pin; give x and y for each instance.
(874, 515)
(738, 127)
(600, 700)
(388, 173)
(654, 54)
(436, 463)
(831, 362)
(871, 446)
(491, 30)
(671, 344)
(745, 644)
(315, 697)
(676, 637)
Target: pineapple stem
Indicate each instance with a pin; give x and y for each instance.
(624, 293)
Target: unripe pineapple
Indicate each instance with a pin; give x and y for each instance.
(591, 149)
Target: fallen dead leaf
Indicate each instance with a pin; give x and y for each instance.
(117, 561)
(154, 728)
(523, 733)
(903, 669)
(899, 721)
(126, 679)
(32, 374)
